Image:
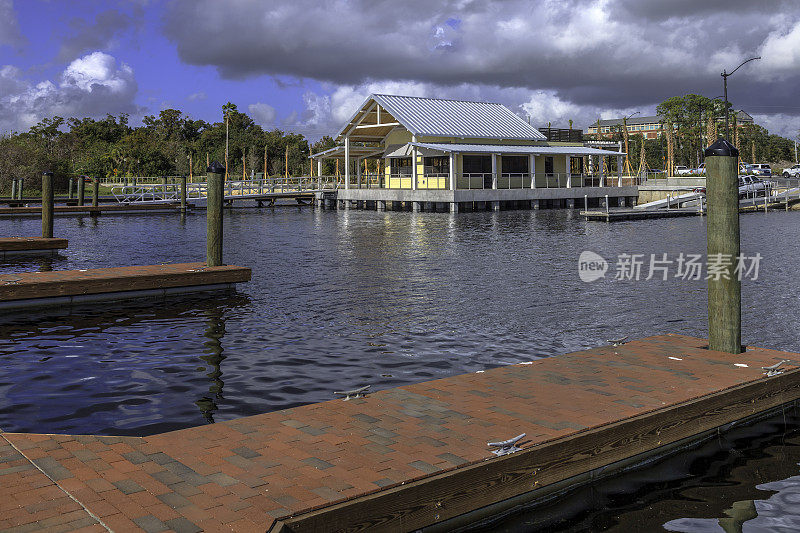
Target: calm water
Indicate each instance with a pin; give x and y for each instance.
(348, 298)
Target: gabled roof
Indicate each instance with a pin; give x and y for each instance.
(435, 117)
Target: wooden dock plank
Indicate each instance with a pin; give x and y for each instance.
(416, 455)
(28, 285)
(18, 244)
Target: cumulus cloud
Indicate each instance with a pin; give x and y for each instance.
(9, 26)
(100, 33)
(263, 114)
(89, 86)
(592, 54)
(196, 97)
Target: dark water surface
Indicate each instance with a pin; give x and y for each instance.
(345, 298)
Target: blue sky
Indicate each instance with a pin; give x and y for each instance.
(305, 65)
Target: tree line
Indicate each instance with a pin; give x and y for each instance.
(696, 121)
(168, 144)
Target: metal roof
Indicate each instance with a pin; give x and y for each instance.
(355, 151)
(434, 117)
(514, 149)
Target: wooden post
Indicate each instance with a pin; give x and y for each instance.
(13, 188)
(96, 192)
(214, 197)
(286, 164)
(725, 289)
(244, 165)
(20, 184)
(265, 162)
(70, 195)
(190, 168)
(183, 194)
(47, 205)
(81, 189)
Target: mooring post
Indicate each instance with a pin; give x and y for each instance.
(215, 174)
(13, 188)
(69, 192)
(96, 192)
(81, 189)
(47, 205)
(19, 188)
(183, 194)
(722, 210)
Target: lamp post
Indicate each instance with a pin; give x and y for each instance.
(725, 75)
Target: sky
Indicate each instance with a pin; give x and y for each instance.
(306, 66)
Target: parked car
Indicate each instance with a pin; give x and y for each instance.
(682, 170)
(750, 186)
(792, 172)
(760, 169)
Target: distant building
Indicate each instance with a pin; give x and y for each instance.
(650, 126)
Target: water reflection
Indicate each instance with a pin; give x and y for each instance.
(213, 358)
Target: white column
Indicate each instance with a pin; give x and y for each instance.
(601, 160)
(619, 171)
(452, 171)
(532, 169)
(358, 172)
(414, 170)
(347, 162)
(494, 171)
(319, 168)
(568, 171)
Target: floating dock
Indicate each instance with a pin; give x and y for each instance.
(14, 246)
(399, 459)
(68, 287)
(614, 215)
(102, 209)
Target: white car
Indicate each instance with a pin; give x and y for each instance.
(793, 172)
(682, 171)
(750, 186)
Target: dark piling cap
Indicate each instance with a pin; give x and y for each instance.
(216, 168)
(722, 148)
(47, 173)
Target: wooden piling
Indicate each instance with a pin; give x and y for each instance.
(214, 197)
(47, 205)
(724, 286)
(20, 184)
(81, 189)
(183, 194)
(70, 195)
(13, 189)
(96, 192)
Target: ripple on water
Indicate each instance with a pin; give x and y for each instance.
(343, 299)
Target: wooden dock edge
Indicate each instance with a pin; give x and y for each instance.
(17, 246)
(70, 287)
(78, 299)
(455, 493)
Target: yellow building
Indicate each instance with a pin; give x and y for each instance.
(402, 143)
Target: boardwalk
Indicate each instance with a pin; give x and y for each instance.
(398, 459)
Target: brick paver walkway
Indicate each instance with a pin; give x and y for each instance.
(244, 474)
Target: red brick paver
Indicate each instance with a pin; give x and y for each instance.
(242, 475)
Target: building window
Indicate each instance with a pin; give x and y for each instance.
(515, 164)
(437, 165)
(401, 166)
